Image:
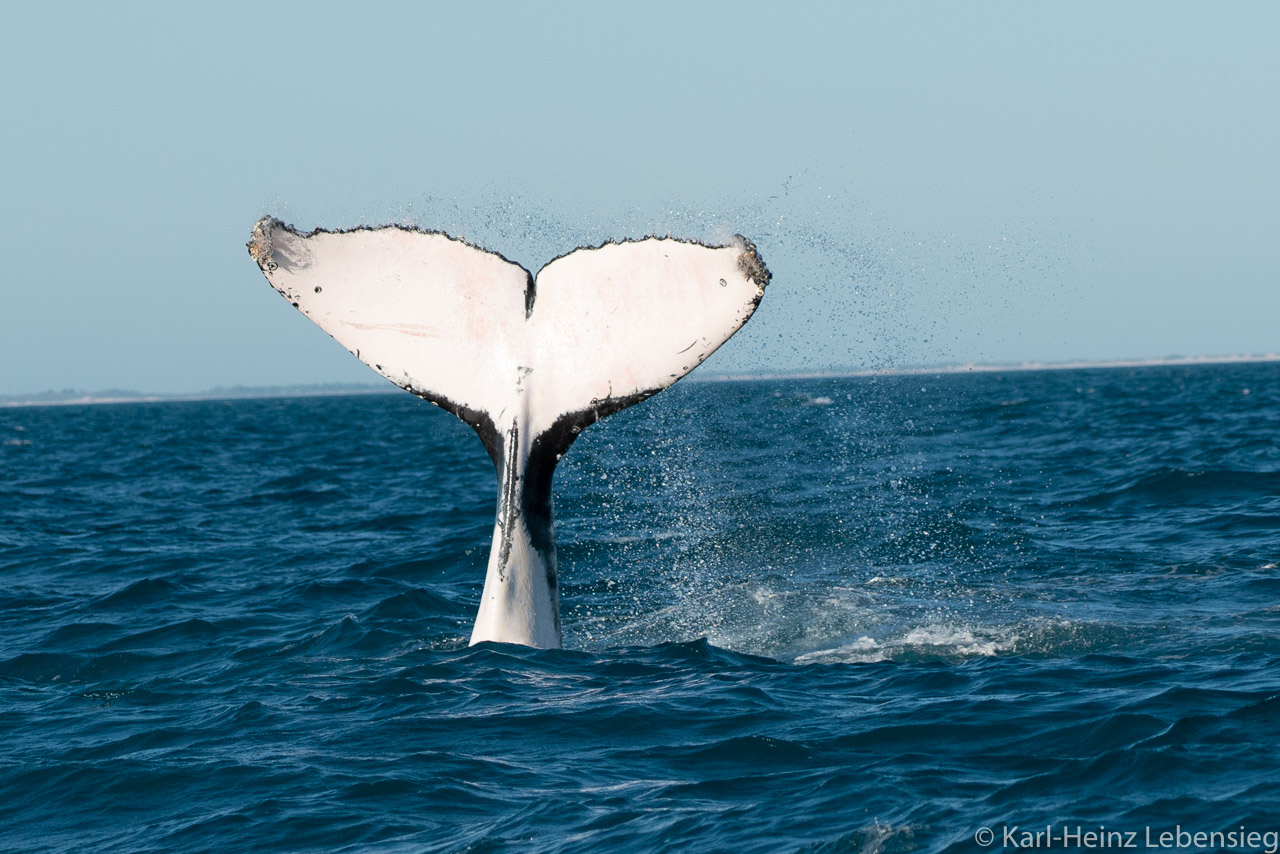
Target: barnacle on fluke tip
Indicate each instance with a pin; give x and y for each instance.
(260, 241)
(751, 264)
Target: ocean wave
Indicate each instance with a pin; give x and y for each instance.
(872, 624)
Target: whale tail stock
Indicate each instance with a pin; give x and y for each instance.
(528, 362)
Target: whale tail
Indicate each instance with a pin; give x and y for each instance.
(528, 362)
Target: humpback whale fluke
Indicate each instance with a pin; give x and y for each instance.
(527, 361)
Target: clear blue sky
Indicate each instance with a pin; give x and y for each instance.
(929, 183)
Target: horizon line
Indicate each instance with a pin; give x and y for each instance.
(243, 392)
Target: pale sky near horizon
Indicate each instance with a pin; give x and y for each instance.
(928, 183)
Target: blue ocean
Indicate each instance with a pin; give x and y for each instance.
(868, 614)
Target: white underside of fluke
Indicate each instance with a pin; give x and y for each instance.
(527, 362)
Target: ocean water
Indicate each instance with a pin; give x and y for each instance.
(865, 614)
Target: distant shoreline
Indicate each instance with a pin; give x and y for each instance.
(1001, 367)
(82, 398)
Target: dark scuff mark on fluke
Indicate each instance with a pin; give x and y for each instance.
(530, 294)
(509, 499)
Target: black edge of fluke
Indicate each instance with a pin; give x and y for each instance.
(474, 418)
(738, 240)
(274, 223)
(749, 262)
